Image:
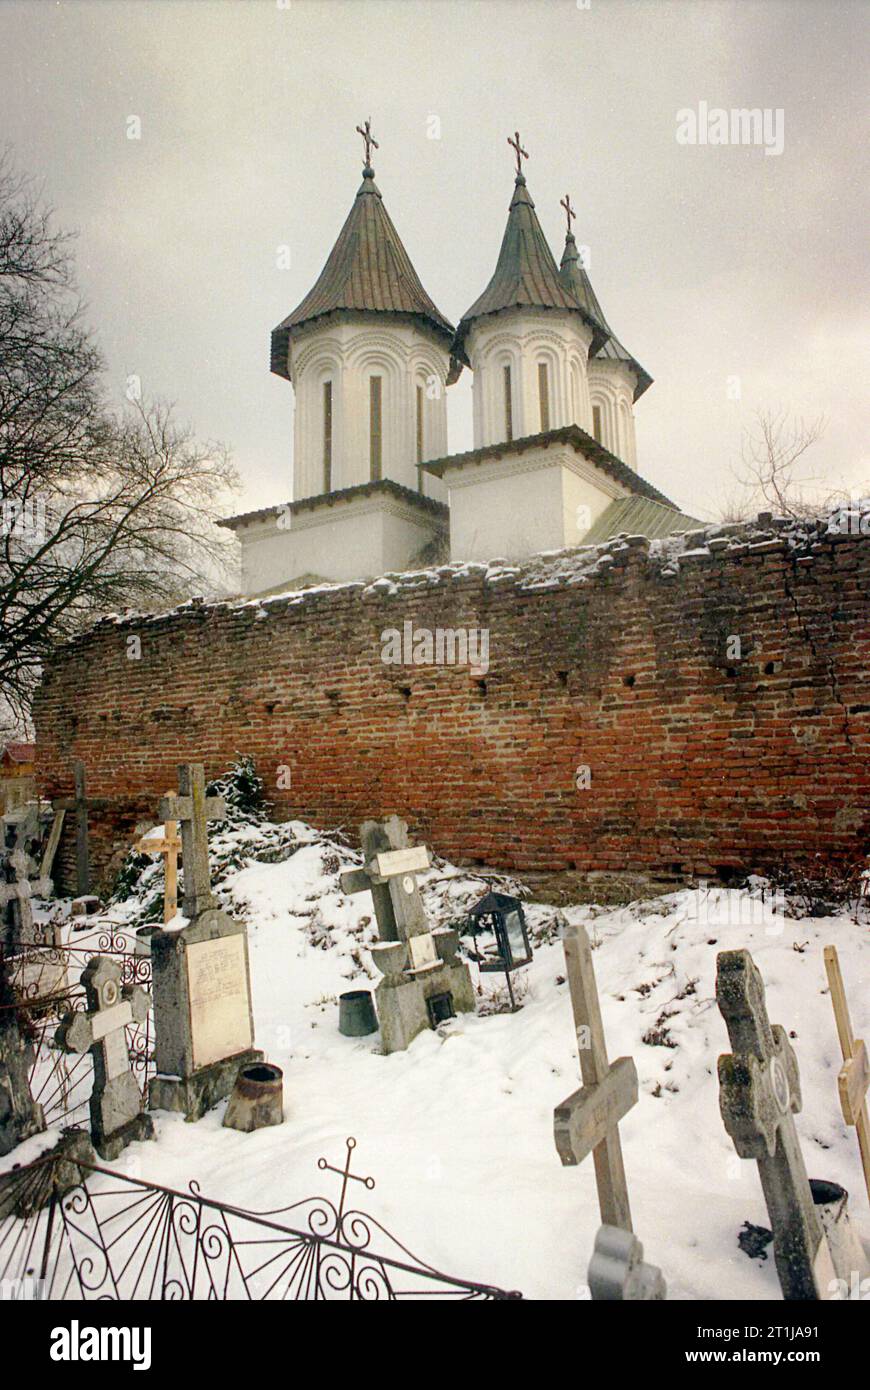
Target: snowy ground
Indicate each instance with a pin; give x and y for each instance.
(458, 1130)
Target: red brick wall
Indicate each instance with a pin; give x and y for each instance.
(698, 761)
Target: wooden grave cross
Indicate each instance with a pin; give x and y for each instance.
(588, 1121)
(390, 875)
(81, 805)
(194, 810)
(759, 1096)
(168, 844)
(854, 1077)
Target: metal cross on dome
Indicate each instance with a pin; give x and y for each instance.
(569, 211)
(370, 141)
(521, 154)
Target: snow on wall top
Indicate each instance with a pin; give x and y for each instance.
(575, 565)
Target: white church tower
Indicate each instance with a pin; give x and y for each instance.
(367, 354)
(615, 380)
(526, 338)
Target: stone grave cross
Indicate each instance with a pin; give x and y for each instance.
(424, 981)
(17, 929)
(81, 805)
(854, 1077)
(168, 844)
(116, 1101)
(194, 810)
(390, 875)
(587, 1122)
(759, 1095)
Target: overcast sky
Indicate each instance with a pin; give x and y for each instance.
(711, 262)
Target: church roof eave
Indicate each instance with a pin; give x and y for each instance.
(571, 435)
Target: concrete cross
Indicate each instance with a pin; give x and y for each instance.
(617, 1271)
(854, 1078)
(168, 844)
(390, 874)
(116, 1100)
(194, 809)
(81, 805)
(587, 1122)
(759, 1095)
(16, 918)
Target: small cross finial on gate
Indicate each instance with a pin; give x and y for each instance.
(569, 211)
(520, 153)
(346, 1175)
(370, 141)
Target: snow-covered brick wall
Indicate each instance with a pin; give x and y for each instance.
(676, 707)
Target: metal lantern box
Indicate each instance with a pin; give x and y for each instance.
(501, 915)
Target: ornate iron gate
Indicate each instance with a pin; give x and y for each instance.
(72, 1229)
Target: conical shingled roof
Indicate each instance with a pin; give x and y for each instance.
(368, 271)
(574, 278)
(525, 275)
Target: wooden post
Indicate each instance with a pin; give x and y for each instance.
(854, 1076)
(589, 1119)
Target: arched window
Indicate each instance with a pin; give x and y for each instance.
(508, 405)
(421, 396)
(375, 428)
(596, 423)
(327, 436)
(544, 395)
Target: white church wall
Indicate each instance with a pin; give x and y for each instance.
(355, 539)
(348, 353)
(611, 389)
(523, 339)
(543, 499)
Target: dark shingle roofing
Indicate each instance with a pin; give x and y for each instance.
(368, 271)
(574, 278)
(525, 275)
(568, 434)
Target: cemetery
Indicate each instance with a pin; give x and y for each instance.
(208, 1046)
(434, 765)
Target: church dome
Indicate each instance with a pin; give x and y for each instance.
(606, 345)
(368, 271)
(525, 276)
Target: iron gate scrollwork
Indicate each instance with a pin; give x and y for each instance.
(104, 1235)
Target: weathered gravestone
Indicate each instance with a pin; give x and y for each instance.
(759, 1095)
(424, 981)
(20, 1116)
(203, 1018)
(588, 1122)
(117, 1117)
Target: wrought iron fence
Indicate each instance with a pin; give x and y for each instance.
(45, 981)
(103, 1235)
